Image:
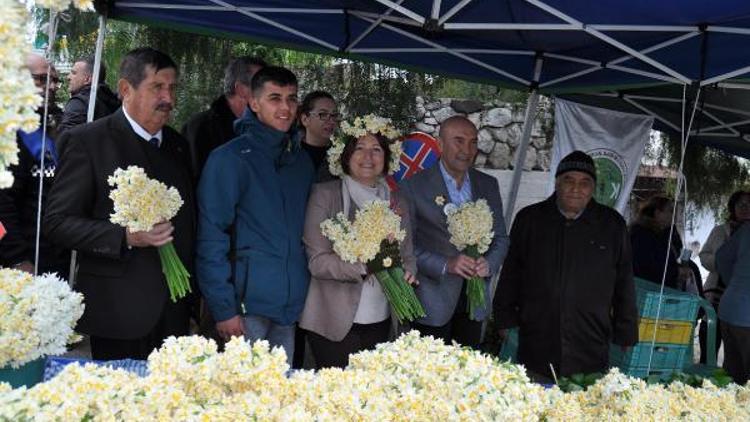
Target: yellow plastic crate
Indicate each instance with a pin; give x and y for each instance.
(670, 332)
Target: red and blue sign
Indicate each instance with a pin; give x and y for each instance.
(420, 151)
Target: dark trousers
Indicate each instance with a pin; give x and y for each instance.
(298, 361)
(174, 321)
(460, 328)
(736, 352)
(335, 354)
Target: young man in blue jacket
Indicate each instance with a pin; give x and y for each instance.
(252, 197)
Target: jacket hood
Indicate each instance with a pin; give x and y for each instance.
(281, 146)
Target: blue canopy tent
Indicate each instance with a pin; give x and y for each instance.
(620, 50)
(668, 58)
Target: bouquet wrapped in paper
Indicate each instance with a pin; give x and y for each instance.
(139, 204)
(38, 316)
(373, 239)
(470, 227)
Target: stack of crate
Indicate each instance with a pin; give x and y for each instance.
(673, 332)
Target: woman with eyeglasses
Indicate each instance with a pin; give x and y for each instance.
(318, 117)
(738, 211)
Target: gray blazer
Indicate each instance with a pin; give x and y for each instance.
(335, 285)
(439, 292)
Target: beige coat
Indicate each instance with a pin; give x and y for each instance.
(707, 255)
(335, 285)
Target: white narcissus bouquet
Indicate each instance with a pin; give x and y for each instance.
(19, 98)
(373, 239)
(470, 226)
(38, 315)
(139, 204)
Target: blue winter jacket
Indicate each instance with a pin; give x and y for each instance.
(252, 198)
(733, 263)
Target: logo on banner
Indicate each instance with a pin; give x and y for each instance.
(610, 175)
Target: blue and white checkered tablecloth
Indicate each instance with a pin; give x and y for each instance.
(56, 364)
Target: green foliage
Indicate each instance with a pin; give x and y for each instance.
(578, 382)
(359, 87)
(454, 88)
(711, 175)
(581, 382)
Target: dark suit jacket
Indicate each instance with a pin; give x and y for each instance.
(438, 292)
(207, 130)
(124, 289)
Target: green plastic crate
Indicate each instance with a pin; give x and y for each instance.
(666, 358)
(675, 305)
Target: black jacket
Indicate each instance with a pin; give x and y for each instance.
(568, 286)
(77, 108)
(124, 289)
(19, 204)
(207, 130)
(650, 252)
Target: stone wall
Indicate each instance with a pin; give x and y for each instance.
(500, 126)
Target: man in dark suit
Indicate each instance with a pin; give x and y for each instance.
(128, 310)
(441, 268)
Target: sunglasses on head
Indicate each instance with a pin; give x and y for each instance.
(42, 77)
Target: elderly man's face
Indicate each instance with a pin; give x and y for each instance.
(152, 101)
(458, 141)
(574, 191)
(40, 71)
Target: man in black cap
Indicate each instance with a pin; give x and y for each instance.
(567, 282)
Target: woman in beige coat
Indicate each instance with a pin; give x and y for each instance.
(346, 310)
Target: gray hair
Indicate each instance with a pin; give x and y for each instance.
(238, 70)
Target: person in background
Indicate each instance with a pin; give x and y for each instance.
(733, 265)
(19, 204)
(738, 211)
(649, 237)
(318, 117)
(79, 84)
(209, 129)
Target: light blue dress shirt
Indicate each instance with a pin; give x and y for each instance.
(457, 196)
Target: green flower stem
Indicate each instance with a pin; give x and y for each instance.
(399, 294)
(178, 278)
(474, 285)
(417, 311)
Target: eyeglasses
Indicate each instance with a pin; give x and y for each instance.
(326, 116)
(42, 77)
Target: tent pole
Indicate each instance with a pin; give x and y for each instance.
(51, 36)
(97, 66)
(90, 116)
(528, 122)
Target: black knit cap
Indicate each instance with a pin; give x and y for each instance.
(577, 161)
